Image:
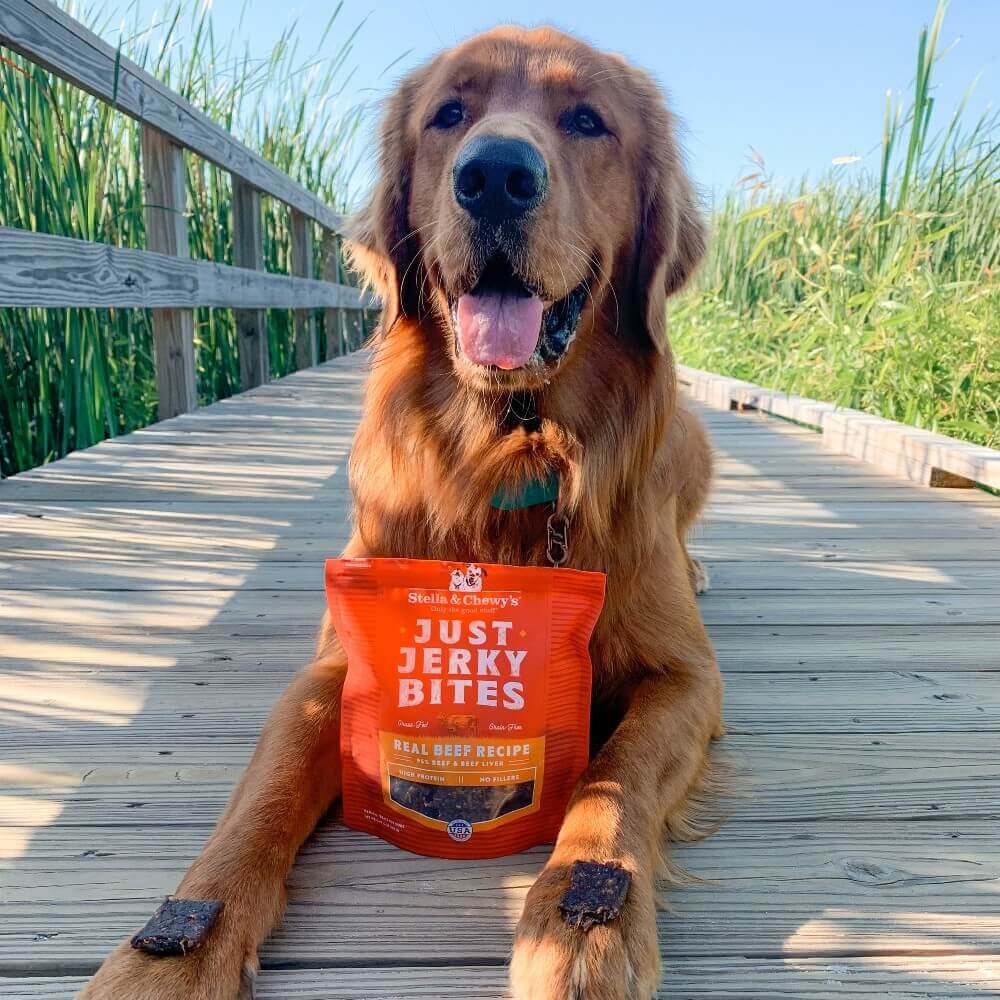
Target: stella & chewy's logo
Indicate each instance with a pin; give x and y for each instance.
(460, 830)
(469, 580)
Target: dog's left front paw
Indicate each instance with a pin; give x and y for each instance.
(617, 960)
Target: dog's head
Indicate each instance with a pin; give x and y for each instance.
(531, 199)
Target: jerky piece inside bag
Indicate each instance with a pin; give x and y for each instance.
(466, 710)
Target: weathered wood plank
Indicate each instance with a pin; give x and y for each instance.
(808, 649)
(35, 988)
(227, 443)
(55, 271)
(873, 577)
(61, 531)
(85, 481)
(41, 522)
(166, 232)
(38, 563)
(299, 610)
(757, 704)
(159, 463)
(193, 758)
(50, 37)
(901, 977)
(255, 533)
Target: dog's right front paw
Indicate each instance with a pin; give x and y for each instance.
(212, 973)
(616, 960)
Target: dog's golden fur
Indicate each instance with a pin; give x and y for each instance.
(436, 439)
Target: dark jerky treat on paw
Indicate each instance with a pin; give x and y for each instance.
(178, 927)
(595, 895)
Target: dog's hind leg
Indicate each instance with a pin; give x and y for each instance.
(701, 582)
(691, 476)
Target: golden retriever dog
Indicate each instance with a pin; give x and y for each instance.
(530, 219)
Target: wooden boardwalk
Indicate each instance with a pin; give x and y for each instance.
(157, 591)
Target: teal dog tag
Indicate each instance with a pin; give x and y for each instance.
(529, 493)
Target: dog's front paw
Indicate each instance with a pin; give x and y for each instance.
(616, 960)
(213, 973)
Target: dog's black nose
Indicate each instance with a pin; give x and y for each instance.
(497, 179)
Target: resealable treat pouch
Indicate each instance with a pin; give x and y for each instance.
(466, 709)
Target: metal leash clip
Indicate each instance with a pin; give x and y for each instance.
(557, 539)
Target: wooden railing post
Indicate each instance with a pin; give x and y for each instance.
(333, 323)
(333, 319)
(302, 266)
(357, 329)
(248, 251)
(165, 204)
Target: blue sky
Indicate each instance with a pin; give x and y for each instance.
(802, 81)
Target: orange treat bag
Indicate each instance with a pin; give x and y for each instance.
(466, 710)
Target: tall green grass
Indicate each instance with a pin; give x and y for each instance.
(70, 166)
(880, 292)
(874, 291)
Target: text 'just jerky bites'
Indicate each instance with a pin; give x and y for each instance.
(466, 710)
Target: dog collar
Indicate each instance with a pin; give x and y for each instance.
(528, 493)
(522, 411)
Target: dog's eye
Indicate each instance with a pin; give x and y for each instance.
(585, 121)
(448, 115)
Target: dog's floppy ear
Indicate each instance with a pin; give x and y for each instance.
(379, 243)
(670, 240)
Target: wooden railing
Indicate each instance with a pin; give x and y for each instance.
(925, 457)
(37, 269)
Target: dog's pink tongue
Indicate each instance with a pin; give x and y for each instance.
(499, 330)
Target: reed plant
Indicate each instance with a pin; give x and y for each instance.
(69, 165)
(874, 290)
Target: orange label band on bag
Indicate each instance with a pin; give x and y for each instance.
(465, 719)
